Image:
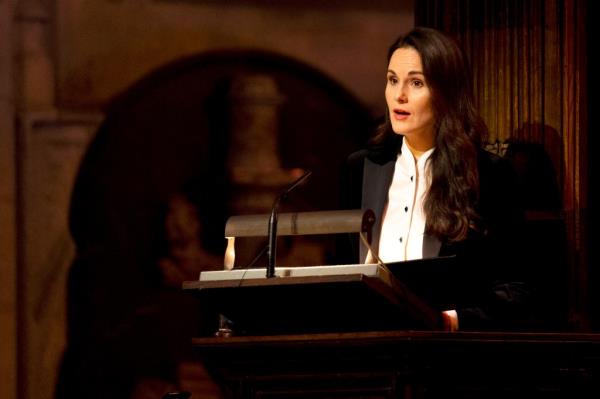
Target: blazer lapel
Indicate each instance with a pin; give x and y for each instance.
(376, 183)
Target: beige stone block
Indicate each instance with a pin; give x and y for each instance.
(37, 74)
(34, 9)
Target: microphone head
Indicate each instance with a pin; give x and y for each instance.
(298, 181)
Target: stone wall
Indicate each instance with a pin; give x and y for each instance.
(61, 61)
(346, 40)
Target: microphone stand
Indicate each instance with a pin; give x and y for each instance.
(272, 230)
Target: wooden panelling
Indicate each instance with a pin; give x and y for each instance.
(530, 77)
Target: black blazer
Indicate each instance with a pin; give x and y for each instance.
(485, 286)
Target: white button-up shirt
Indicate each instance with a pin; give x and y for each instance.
(404, 220)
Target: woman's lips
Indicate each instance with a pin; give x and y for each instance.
(400, 114)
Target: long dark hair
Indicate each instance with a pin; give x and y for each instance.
(459, 130)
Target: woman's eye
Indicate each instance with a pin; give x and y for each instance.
(418, 83)
(392, 80)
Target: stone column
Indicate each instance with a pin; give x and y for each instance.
(35, 55)
(253, 161)
(8, 241)
(50, 144)
(34, 94)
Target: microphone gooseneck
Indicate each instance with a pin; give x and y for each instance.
(272, 230)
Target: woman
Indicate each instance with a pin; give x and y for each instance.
(434, 190)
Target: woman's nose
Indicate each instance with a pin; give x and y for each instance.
(401, 95)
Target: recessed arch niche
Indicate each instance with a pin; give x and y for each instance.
(168, 133)
(171, 128)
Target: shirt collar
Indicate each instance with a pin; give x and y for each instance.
(407, 159)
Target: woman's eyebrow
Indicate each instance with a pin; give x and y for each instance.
(409, 73)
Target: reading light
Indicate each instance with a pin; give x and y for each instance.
(297, 223)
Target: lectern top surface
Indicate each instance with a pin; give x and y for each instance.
(372, 270)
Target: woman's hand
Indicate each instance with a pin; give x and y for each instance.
(450, 320)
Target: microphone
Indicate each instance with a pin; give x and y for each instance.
(272, 231)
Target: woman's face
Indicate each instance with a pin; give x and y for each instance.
(409, 99)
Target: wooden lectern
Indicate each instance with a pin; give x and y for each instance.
(313, 299)
(356, 331)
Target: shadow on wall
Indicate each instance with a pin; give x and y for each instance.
(154, 191)
(539, 188)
